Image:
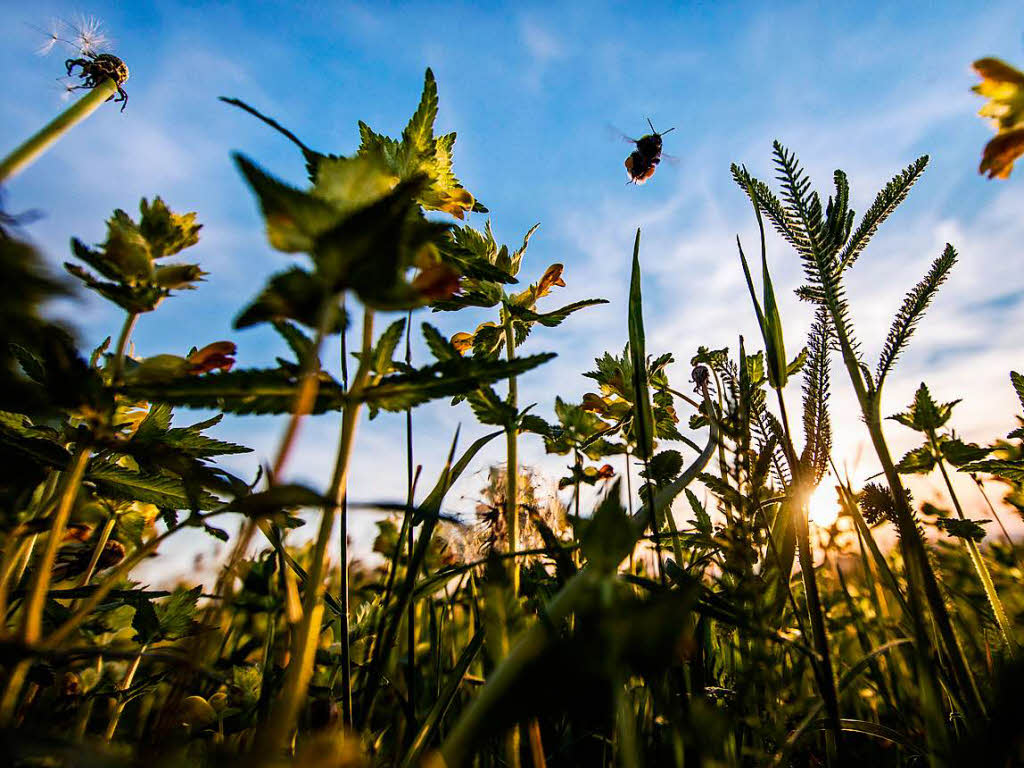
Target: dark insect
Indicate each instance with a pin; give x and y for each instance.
(643, 161)
(97, 67)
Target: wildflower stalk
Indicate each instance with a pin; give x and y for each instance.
(25, 154)
(512, 461)
(770, 324)
(976, 559)
(124, 685)
(819, 635)
(117, 363)
(411, 619)
(300, 668)
(101, 544)
(920, 575)
(33, 623)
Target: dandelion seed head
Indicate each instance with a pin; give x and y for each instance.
(53, 35)
(89, 36)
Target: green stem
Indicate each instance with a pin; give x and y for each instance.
(998, 519)
(275, 735)
(32, 627)
(976, 559)
(512, 463)
(819, 634)
(101, 544)
(920, 574)
(117, 365)
(411, 618)
(125, 684)
(23, 156)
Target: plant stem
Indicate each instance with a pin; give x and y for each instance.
(23, 156)
(124, 685)
(512, 463)
(998, 519)
(117, 364)
(101, 544)
(276, 734)
(826, 676)
(33, 624)
(976, 559)
(411, 619)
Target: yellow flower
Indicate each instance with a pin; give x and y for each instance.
(1003, 86)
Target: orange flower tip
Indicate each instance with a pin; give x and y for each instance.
(462, 342)
(1001, 153)
(218, 356)
(437, 282)
(552, 276)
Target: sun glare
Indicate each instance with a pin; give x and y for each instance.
(823, 508)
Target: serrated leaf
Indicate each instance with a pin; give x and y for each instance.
(555, 317)
(490, 408)
(161, 490)
(918, 461)
(962, 529)
(1012, 470)
(294, 219)
(958, 453)
(242, 391)
(399, 391)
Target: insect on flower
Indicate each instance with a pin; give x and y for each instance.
(643, 161)
(87, 38)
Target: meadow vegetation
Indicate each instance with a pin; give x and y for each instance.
(690, 617)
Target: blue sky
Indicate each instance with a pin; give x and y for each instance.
(533, 91)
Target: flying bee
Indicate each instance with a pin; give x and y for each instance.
(642, 162)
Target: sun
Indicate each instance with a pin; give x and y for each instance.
(823, 507)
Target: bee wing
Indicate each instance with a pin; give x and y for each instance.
(617, 135)
(672, 159)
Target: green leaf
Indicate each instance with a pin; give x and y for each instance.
(384, 351)
(1012, 470)
(162, 490)
(925, 415)
(962, 529)
(554, 318)
(294, 219)
(270, 503)
(912, 310)
(701, 520)
(1018, 385)
(242, 391)
(294, 294)
(663, 467)
(490, 408)
(166, 233)
(918, 461)
(420, 130)
(440, 347)
(644, 416)
(399, 391)
(609, 536)
(958, 453)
